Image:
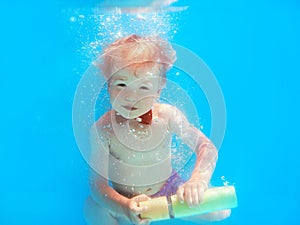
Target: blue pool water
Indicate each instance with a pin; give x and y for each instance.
(253, 50)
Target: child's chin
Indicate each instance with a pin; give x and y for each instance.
(128, 117)
(131, 115)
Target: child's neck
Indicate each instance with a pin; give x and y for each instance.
(144, 119)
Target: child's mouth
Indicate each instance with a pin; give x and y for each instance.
(131, 108)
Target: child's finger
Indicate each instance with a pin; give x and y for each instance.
(200, 195)
(142, 197)
(138, 210)
(180, 192)
(195, 196)
(188, 196)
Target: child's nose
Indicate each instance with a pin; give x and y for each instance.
(131, 96)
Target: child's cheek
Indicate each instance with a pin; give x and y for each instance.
(114, 93)
(113, 96)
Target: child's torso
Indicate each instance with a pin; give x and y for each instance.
(140, 156)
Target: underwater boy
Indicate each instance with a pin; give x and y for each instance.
(131, 144)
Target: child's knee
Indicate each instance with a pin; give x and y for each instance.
(95, 214)
(223, 214)
(88, 208)
(91, 210)
(216, 216)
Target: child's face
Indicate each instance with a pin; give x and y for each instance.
(133, 92)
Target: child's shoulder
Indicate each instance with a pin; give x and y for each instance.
(104, 120)
(164, 109)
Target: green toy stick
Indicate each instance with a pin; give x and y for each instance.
(214, 199)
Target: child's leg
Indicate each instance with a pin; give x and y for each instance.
(97, 215)
(210, 217)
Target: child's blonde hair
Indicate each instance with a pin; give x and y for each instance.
(135, 51)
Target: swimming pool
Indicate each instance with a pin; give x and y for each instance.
(253, 51)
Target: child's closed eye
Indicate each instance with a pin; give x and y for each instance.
(121, 85)
(144, 88)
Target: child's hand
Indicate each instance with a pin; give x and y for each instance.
(192, 192)
(133, 210)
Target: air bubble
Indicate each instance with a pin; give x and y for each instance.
(72, 19)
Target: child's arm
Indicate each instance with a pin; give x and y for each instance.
(106, 196)
(101, 192)
(192, 191)
(116, 203)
